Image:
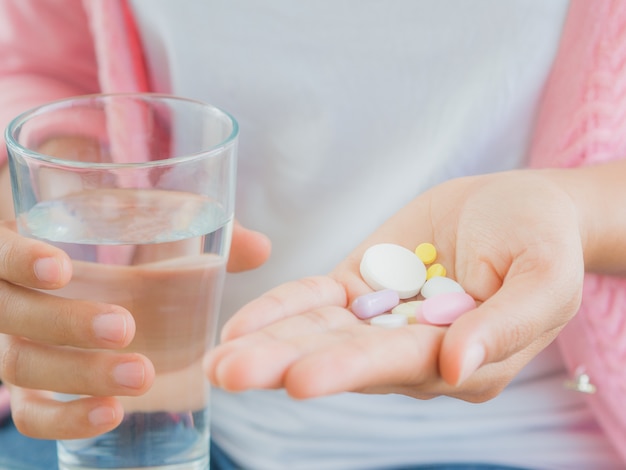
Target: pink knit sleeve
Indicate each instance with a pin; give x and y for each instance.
(582, 122)
(46, 53)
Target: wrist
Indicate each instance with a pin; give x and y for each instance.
(599, 195)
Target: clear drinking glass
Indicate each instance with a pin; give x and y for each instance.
(139, 190)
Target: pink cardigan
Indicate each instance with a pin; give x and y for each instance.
(582, 121)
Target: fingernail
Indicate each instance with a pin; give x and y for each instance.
(110, 327)
(474, 357)
(101, 416)
(50, 269)
(130, 374)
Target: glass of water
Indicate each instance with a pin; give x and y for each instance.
(139, 190)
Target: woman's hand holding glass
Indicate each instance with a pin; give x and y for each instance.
(51, 344)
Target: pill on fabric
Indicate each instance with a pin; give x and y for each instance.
(440, 285)
(435, 270)
(389, 266)
(426, 252)
(410, 310)
(374, 303)
(443, 309)
(389, 321)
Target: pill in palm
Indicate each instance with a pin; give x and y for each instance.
(389, 266)
(426, 252)
(440, 285)
(408, 309)
(443, 309)
(435, 270)
(389, 321)
(374, 303)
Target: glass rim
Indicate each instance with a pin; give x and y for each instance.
(18, 121)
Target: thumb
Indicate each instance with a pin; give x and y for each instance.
(526, 313)
(249, 249)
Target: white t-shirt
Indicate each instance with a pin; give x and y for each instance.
(348, 109)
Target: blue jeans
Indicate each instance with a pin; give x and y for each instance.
(18, 452)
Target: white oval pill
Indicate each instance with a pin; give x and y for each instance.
(440, 285)
(389, 266)
(389, 321)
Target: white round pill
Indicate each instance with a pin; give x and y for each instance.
(389, 266)
(440, 285)
(389, 321)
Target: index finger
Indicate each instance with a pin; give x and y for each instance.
(286, 300)
(31, 263)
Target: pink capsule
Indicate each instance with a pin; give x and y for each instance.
(443, 309)
(375, 303)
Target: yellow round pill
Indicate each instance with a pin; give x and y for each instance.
(426, 252)
(435, 270)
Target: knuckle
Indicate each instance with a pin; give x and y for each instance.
(491, 390)
(570, 302)
(7, 297)
(64, 324)
(484, 396)
(26, 416)
(323, 290)
(483, 391)
(10, 358)
(8, 256)
(20, 415)
(311, 284)
(318, 320)
(513, 339)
